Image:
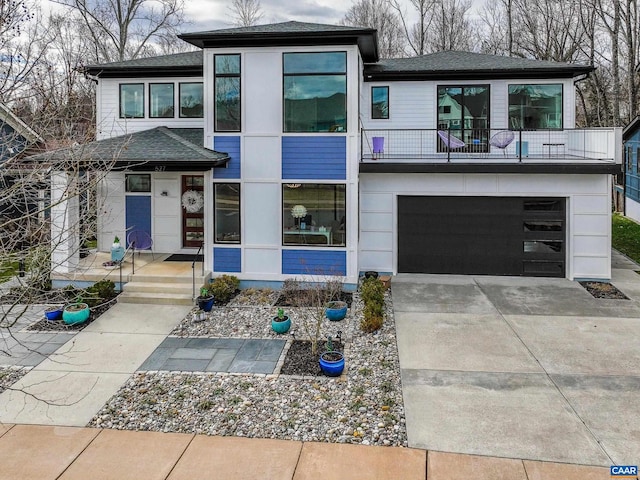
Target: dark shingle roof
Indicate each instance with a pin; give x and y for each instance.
(175, 149)
(289, 34)
(467, 65)
(187, 63)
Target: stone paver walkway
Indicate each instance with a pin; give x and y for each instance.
(232, 355)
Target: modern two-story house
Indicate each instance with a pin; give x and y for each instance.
(292, 150)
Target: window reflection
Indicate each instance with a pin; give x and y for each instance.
(315, 92)
(227, 212)
(227, 93)
(161, 98)
(191, 100)
(535, 106)
(464, 111)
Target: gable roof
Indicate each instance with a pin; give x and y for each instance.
(457, 65)
(289, 34)
(631, 128)
(15, 135)
(174, 149)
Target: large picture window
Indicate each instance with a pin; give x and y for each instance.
(379, 103)
(191, 100)
(226, 206)
(313, 214)
(227, 93)
(132, 100)
(535, 106)
(315, 92)
(161, 100)
(464, 112)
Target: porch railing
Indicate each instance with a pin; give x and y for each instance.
(433, 145)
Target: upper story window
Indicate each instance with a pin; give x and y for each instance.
(463, 111)
(379, 103)
(315, 92)
(535, 106)
(132, 100)
(191, 100)
(227, 93)
(161, 99)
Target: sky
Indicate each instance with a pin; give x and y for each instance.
(213, 14)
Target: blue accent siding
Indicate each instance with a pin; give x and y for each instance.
(138, 213)
(314, 262)
(231, 146)
(314, 158)
(227, 260)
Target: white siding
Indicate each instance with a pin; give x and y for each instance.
(413, 105)
(632, 209)
(108, 121)
(167, 219)
(588, 210)
(111, 214)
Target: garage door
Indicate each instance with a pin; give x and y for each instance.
(482, 235)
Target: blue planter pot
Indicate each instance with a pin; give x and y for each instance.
(336, 311)
(76, 313)
(205, 303)
(281, 326)
(54, 313)
(332, 363)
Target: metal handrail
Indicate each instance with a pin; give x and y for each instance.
(193, 273)
(133, 260)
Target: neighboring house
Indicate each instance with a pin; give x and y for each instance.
(312, 156)
(18, 198)
(630, 181)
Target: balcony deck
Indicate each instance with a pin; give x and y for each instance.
(538, 151)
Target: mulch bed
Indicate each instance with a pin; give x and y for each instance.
(604, 290)
(300, 298)
(300, 361)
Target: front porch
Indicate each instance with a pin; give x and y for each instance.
(142, 277)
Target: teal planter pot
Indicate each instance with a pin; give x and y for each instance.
(336, 311)
(281, 326)
(76, 313)
(332, 363)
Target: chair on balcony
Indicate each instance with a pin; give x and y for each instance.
(449, 140)
(502, 140)
(140, 240)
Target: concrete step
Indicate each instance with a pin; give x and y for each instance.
(160, 287)
(155, 298)
(200, 279)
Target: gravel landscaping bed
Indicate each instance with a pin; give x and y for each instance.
(604, 290)
(10, 375)
(363, 406)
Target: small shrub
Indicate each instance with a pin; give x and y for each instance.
(224, 287)
(372, 293)
(99, 293)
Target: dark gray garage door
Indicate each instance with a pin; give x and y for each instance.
(482, 235)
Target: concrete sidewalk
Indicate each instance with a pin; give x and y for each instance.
(531, 368)
(79, 378)
(32, 452)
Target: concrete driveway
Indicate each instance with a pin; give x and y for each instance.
(531, 368)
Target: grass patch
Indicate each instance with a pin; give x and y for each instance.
(625, 236)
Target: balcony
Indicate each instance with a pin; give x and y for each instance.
(596, 150)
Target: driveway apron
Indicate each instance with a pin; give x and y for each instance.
(531, 368)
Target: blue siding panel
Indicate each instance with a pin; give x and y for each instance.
(231, 146)
(227, 260)
(314, 262)
(138, 213)
(314, 158)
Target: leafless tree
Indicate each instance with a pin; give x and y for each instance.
(415, 33)
(126, 29)
(379, 15)
(450, 27)
(246, 13)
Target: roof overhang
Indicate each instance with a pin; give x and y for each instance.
(170, 165)
(151, 72)
(372, 74)
(366, 39)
